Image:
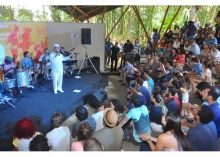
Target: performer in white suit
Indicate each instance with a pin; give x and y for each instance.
(57, 68)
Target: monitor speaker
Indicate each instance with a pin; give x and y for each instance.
(97, 99)
(86, 36)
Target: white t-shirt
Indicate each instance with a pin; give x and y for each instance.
(207, 73)
(216, 54)
(59, 138)
(176, 45)
(99, 120)
(146, 84)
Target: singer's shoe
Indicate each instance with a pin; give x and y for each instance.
(55, 92)
(61, 90)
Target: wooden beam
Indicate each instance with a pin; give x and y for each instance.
(79, 17)
(142, 24)
(103, 14)
(170, 23)
(117, 22)
(69, 11)
(164, 19)
(84, 14)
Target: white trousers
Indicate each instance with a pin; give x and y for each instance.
(57, 80)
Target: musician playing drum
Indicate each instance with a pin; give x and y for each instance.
(45, 63)
(57, 68)
(27, 64)
(8, 68)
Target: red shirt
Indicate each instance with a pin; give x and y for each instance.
(180, 58)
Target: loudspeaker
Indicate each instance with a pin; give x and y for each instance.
(86, 36)
(96, 62)
(97, 99)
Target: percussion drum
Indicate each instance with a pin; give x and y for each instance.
(9, 83)
(23, 78)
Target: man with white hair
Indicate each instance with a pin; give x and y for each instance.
(57, 68)
(211, 40)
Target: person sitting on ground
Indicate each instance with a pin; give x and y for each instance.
(157, 109)
(59, 137)
(162, 47)
(176, 43)
(84, 132)
(111, 136)
(197, 69)
(98, 115)
(168, 74)
(186, 45)
(149, 79)
(211, 94)
(39, 143)
(24, 132)
(200, 40)
(127, 71)
(179, 60)
(92, 144)
(154, 68)
(140, 118)
(172, 102)
(82, 115)
(215, 59)
(203, 137)
(211, 40)
(173, 139)
(173, 53)
(194, 47)
(205, 53)
(205, 76)
(149, 60)
(118, 107)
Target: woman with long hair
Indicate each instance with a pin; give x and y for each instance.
(205, 76)
(85, 132)
(173, 138)
(118, 107)
(24, 132)
(205, 53)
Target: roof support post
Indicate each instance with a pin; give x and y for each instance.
(170, 23)
(117, 22)
(142, 24)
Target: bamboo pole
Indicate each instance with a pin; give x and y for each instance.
(117, 22)
(103, 15)
(142, 24)
(170, 23)
(164, 18)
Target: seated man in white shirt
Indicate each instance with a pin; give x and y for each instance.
(215, 59)
(126, 71)
(45, 63)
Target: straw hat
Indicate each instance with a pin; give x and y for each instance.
(110, 117)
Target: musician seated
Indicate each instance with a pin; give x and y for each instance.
(8, 68)
(45, 63)
(27, 64)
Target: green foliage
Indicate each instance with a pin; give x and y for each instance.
(25, 15)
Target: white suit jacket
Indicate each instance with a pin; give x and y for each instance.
(57, 62)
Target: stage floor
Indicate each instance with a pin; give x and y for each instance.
(41, 103)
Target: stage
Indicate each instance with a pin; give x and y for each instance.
(41, 103)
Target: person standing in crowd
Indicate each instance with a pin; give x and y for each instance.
(109, 44)
(92, 144)
(114, 56)
(39, 143)
(57, 68)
